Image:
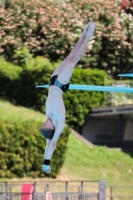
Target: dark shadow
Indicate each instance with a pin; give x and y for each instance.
(128, 151)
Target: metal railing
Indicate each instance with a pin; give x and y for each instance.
(54, 196)
(59, 190)
(119, 193)
(116, 99)
(119, 197)
(66, 190)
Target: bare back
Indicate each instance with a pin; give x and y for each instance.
(55, 109)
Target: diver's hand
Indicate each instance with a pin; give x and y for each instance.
(46, 168)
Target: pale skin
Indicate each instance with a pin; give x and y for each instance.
(55, 109)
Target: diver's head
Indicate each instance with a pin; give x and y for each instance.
(48, 129)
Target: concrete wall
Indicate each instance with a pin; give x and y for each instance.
(108, 128)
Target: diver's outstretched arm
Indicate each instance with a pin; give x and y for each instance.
(51, 148)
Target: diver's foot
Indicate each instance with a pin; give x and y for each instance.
(90, 29)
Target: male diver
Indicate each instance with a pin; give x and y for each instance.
(59, 83)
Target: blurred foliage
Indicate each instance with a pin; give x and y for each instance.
(78, 103)
(127, 6)
(50, 28)
(36, 71)
(22, 148)
(21, 90)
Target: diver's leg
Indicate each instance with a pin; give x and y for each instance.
(80, 46)
(58, 69)
(77, 52)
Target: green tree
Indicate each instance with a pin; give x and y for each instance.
(51, 28)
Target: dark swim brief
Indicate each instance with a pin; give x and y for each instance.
(55, 82)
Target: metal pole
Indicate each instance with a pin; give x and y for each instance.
(34, 191)
(111, 192)
(82, 191)
(102, 190)
(47, 187)
(6, 191)
(67, 197)
(82, 186)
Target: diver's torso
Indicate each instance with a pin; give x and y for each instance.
(55, 108)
